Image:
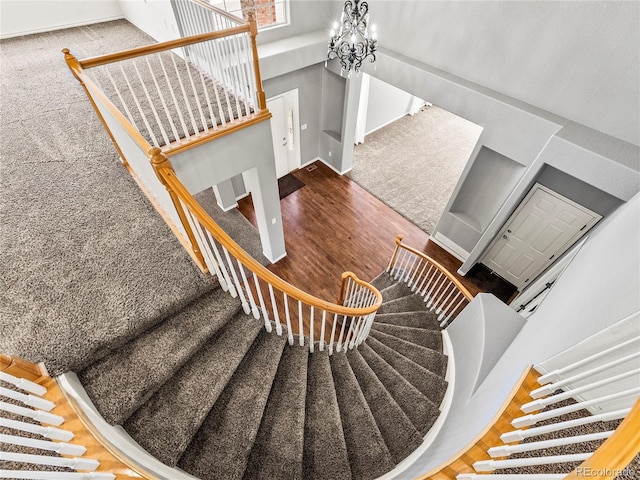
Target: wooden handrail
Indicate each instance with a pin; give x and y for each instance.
(166, 173)
(476, 449)
(161, 47)
(453, 279)
(615, 453)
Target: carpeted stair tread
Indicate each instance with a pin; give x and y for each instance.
(359, 424)
(426, 320)
(166, 423)
(325, 451)
(278, 447)
(143, 365)
(383, 281)
(409, 303)
(428, 383)
(399, 433)
(424, 338)
(395, 291)
(419, 409)
(430, 359)
(221, 447)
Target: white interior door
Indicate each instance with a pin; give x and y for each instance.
(543, 227)
(285, 131)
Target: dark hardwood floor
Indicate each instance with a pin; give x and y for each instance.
(332, 225)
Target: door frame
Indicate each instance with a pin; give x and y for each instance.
(572, 241)
(290, 100)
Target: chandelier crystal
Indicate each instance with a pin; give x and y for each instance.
(351, 43)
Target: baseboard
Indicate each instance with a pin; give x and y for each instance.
(277, 259)
(450, 246)
(228, 209)
(332, 167)
(60, 27)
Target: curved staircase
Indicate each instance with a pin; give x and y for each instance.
(209, 391)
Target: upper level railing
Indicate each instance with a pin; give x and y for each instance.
(441, 291)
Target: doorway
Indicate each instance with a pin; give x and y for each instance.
(411, 153)
(285, 131)
(539, 231)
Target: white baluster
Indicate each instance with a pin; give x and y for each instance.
(23, 384)
(411, 268)
(425, 281)
(322, 327)
(205, 124)
(38, 415)
(416, 276)
(186, 97)
(549, 389)
(205, 248)
(441, 291)
(153, 108)
(288, 317)
(58, 447)
(76, 463)
(300, 327)
(254, 307)
(442, 305)
(556, 412)
(265, 314)
(519, 435)
(176, 136)
(47, 432)
(119, 94)
(556, 374)
(39, 475)
(491, 465)
(311, 326)
(434, 284)
(540, 403)
(145, 120)
(223, 268)
(453, 310)
(333, 333)
(507, 450)
(250, 69)
(171, 89)
(30, 400)
(276, 316)
(236, 282)
(402, 258)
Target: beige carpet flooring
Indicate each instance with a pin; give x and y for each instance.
(413, 164)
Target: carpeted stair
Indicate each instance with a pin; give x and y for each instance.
(209, 391)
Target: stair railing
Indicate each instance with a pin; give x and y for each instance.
(441, 291)
(335, 326)
(39, 417)
(180, 94)
(606, 383)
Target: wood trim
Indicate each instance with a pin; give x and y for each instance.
(249, 262)
(75, 422)
(159, 162)
(161, 47)
(453, 279)
(244, 122)
(21, 368)
(359, 282)
(615, 453)
(253, 32)
(476, 450)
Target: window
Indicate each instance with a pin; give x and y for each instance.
(269, 13)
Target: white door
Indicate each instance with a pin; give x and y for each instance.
(285, 131)
(543, 227)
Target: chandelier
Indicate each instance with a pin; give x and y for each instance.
(351, 43)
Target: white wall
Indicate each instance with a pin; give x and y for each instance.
(386, 104)
(23, 17)
(578, 60)
(154, 17)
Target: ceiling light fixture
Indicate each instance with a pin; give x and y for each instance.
(351, 43)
